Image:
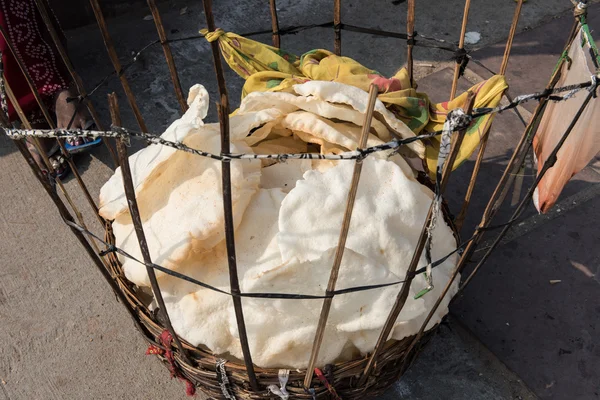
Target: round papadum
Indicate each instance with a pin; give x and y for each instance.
(281, 332)
(387, 217)
(144, 162)
(204, 317)
(182, 208)
(288, 103)
(146, 165)
(334, 92)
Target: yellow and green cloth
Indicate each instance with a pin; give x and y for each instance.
(266, 68)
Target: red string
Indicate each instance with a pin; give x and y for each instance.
(165, 339)
(325, 382)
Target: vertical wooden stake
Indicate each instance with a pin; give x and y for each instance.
(461, 45)
(511, 36)
(410, 30)
(403, 294)
(275, 24)
(137, 223)
(168, 55)
(339, 252)
(112, 53)
(223, 109)
(210, 22)
(337, 21)
(483, 143)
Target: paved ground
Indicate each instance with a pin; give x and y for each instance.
(456, 366)
(63, 335)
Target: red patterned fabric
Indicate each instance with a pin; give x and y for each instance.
(25, 28)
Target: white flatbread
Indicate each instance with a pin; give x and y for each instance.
(204, 317)
(146, 164)
(146, 161)
(342, 134)
(334, 92)
(284, 175)
(288, 103)
(388, 214)
(182, 209)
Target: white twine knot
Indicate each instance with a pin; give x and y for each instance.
(595, 83)
(281, 391)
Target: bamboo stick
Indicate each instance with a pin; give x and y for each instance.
(485, 136)
(410, 30)
(337, 29)
(112, 53)
(460, 219)
(461, 46)
(403, 294)
(50, 122)
(168, 55)
(275, 24)
(223, 110)
(74, 76)
(511, 36)
(230, 244)
(137, 223)
(210, 22)
(339, 253)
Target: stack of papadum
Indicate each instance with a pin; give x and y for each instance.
(287, 219)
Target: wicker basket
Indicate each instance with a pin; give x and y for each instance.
(393, 361)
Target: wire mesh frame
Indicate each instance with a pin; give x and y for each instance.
(223, 107)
